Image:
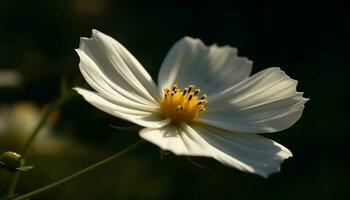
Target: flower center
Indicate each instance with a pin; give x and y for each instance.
(182, 106)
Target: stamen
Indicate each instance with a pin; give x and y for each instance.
(196, 92)
(189, 98)
(185, 91)
(182, 106)
(178, 108)
(204, 96)
(190, 87)
(174, 87)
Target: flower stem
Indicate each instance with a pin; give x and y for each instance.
(82, 172)
(47, 112)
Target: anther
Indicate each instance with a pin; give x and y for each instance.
(196, 92)
(174, 87)
(189, 98)
(191, 87)
(185, 91)
(178, 108)
(204, 97)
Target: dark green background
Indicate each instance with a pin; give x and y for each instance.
(308, 39)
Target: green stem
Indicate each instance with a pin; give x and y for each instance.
(47, 112)
(82, 172)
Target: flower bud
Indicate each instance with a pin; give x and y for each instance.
(11, 160)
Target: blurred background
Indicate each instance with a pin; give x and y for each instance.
(308, 40)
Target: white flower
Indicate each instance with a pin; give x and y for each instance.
(220, 120)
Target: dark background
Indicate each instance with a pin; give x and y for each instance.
(309, 40)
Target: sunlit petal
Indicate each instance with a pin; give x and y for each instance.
(265, 102)
(211, 68)
(250, 153)
(142, 118)
(119, 66)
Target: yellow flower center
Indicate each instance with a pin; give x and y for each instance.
(182, 106)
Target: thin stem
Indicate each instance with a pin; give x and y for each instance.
(82, 172)
(47, 112)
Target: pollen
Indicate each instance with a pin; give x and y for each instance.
(182, 106)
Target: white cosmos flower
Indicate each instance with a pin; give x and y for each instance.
(206, 103)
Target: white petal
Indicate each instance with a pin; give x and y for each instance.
(174, 139)
(117, 66)
(108, 89)
(250, 153)
(142, 118)
(265, 102)
(211, 69)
